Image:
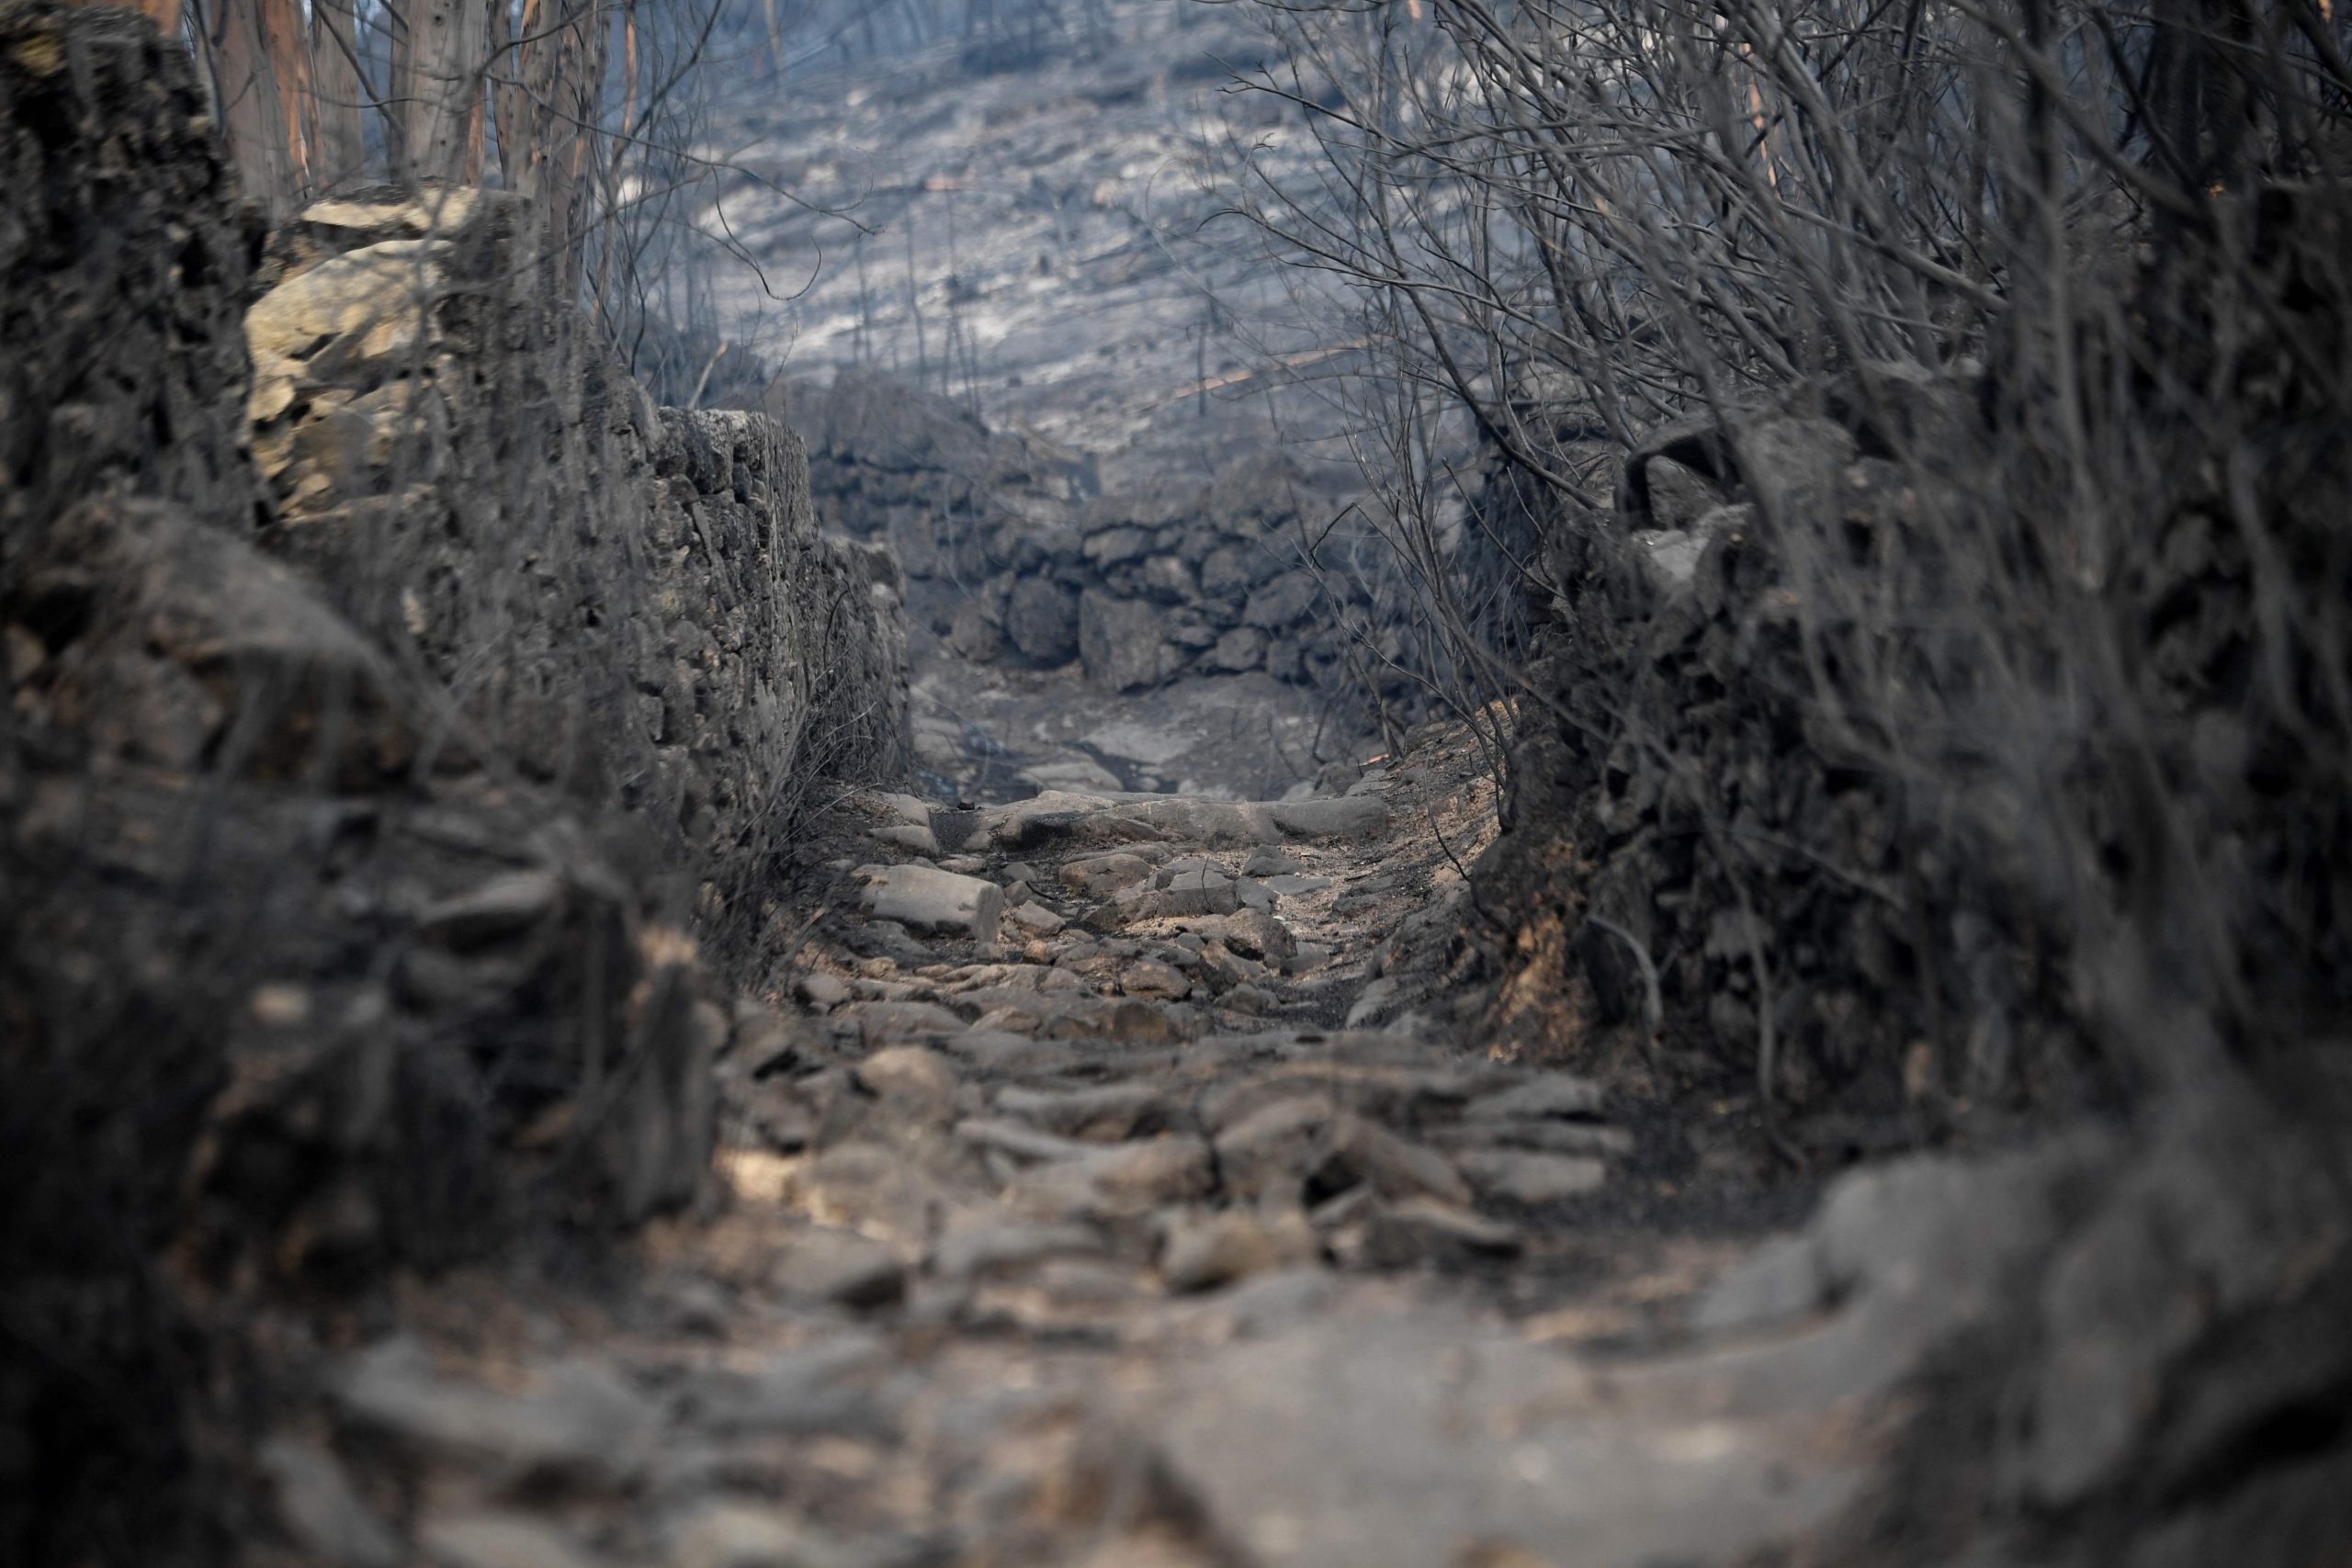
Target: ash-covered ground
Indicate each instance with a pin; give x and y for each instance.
(1040, 230)
(1028, 233)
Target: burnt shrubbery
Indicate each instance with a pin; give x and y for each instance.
(1924, 433)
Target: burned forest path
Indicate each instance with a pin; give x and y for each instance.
(1110, 1190)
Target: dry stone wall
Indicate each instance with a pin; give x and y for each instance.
(368, 812)
(633, 601)
(1686, 809)
(1015, 555)
(1875, 827)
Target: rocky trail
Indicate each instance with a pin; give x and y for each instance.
(1104, 1194)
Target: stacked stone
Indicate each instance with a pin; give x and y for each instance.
(1014, 557)
(1209, 582)
(1823, 778)
(645, 607)
(1727, 838)
(952, 497)
(330, 946)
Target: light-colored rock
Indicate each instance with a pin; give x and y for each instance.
(1198, 891)
(1123, 909)
(1550, 1095)
(1788, 459)
(1152, 980)
(367, 306)
(1098, 876)
(739, 1535)
(1203, 1252)
(1522, 1177)
(1593, 1140)
(908, 808)
(1679, 496)
(320, 1510)
(820, 989)
(1912, 1252)
(979, 1245)
(1669, 558)
(1255, 934)
(1075, 773)
(1348, 817)
(923, 899)
(1271, 1150)
(435, 211)
(868, 1188)
(500, 908)
(989, 1045)
(1282, 602)
(1373, 1002)
(1268, 860)
(1138, 1023)
(1180, 865)
(1034, 919)
(915, 838)
(921, 1079)
(1124, 1180)
(1356, 1148)
(842, 1267)
(832, 1387)
(1114, 547)
(1402, 1095)
(1242, 648)
(1020, 1141)
(881, 1022)
(1251, 1001)
(1209, 824)
(1428, 1230)
(1107, 1114)
(1120, 642)
(498, 1541)
(1423, 1436)
(574, 1421)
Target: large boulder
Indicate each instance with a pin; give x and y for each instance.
(370, 307)
(924, 899)
(1120, 641)
(1040, 619)
(1282, 603)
